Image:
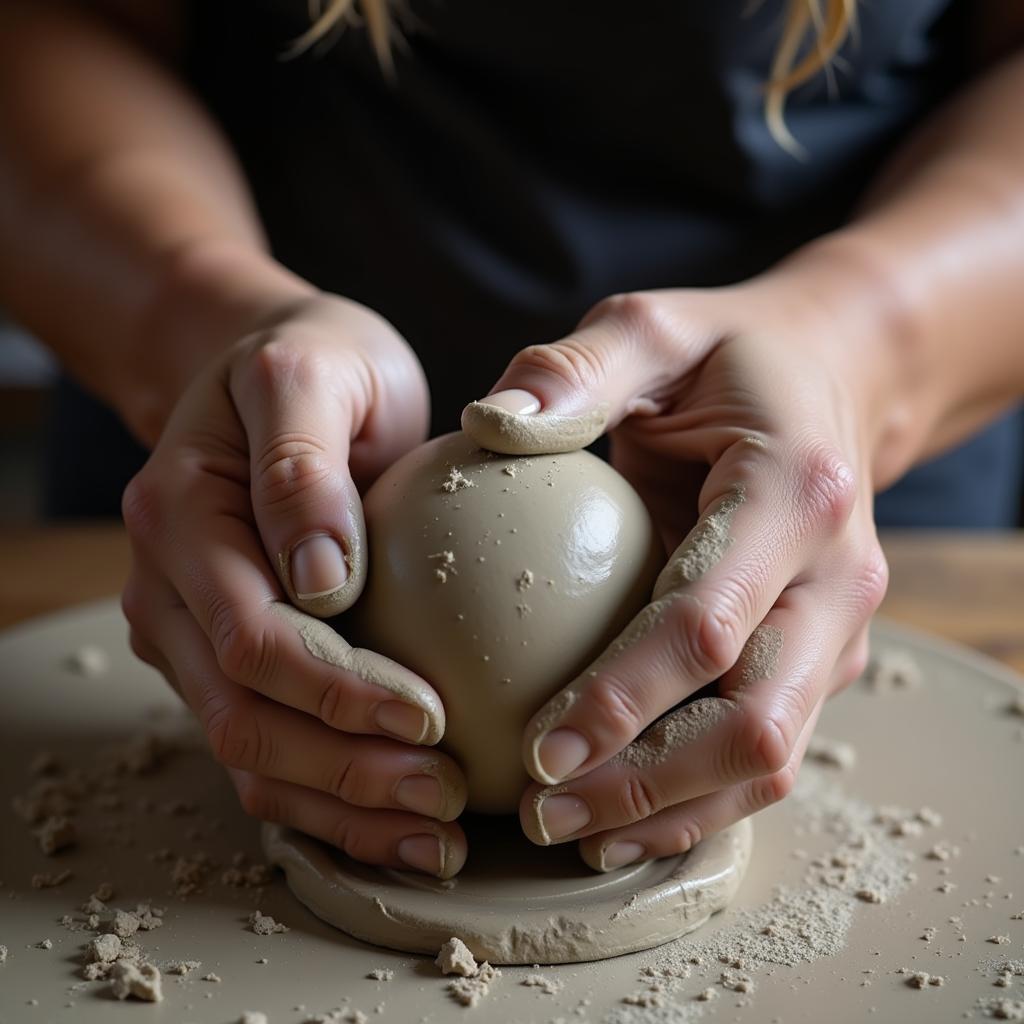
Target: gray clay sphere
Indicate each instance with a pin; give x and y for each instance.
(498, 579)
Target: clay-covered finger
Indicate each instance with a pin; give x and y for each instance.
(711, 743)
(213, 561)
(678, 828)
(250, 732)
(755, 535)
(391, 839)
(704, 607)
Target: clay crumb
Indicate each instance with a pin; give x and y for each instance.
(215, 978)
(89, 661)
(45, 880)
(1002, 1008)
(454, 957)
(943, 850)
(104, 949)
(706, 995)
(447, 566)
(44, 944)
(253, 1017)
(509, 470)
(646, 1000)
(892, 670)
(999, 940)
(382, 974)
(140, 981)
(183, 966)
(922, 980)
(549, 986)
(264, 924)
(469, 991)
(831, 753)
(524, 580)
(456, 481)
(869, 896)
(124, 924)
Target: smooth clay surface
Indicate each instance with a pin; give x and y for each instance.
(949, 882)
(498, 579)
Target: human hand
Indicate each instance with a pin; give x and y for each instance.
(746, 420)
(250, 498)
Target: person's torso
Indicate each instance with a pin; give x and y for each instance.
(530, 158)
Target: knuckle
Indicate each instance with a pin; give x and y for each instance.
(762, 747)
(289, 467)
(634, 312)
(770, 789)
(571, 360)
(638, 798)
(259, 800)
(348, 783)
(333, 704)
(246, 650)
(620, 715)
(278, 363)
(140, 507)
(346, 835)
(234, 735)
(133, 604)
(873, 578)
(139, 647)
(827, 488)
(687, 834)
(707, 638)
(853, 668)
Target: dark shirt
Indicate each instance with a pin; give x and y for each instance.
(531, 157)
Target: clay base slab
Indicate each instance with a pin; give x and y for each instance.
(950, 744)
(516, 903)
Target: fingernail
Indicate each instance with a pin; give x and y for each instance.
(562, 751)
(405, 721)
(424, 853)
(563, 814)
(617, 855)
(522, 403)
(317, 567)
(420, 793)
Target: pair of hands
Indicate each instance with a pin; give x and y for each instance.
(742, 415)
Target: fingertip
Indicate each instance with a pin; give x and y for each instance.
(495, 428)
(324, 572)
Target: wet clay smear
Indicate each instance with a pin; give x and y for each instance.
(703, 547)
(760, 657)
(676, 730)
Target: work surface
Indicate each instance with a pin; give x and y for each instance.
(927, 821)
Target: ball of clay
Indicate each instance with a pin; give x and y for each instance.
(498, 579)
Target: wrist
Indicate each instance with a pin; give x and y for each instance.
(843, 300)
(209, 295)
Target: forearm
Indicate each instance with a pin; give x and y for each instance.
(933, 268)
(128, 241)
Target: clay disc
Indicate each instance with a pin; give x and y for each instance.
(516, 903)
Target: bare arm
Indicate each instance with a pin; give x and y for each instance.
(933, 266)
(128, 240)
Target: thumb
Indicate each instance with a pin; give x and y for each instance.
(562, 396)
(301, 412)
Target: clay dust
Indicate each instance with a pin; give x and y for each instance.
(800, 924)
